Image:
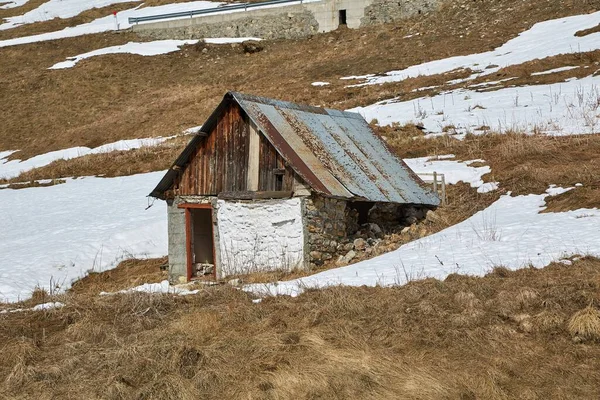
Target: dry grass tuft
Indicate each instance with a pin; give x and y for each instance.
(548, 321)
(585, 324)
(500, 272)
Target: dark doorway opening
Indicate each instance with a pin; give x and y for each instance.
(200, 241)
(342, 17)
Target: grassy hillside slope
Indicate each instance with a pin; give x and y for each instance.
(509, 335)
(113, 97)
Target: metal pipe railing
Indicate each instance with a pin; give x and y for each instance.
(244, 6)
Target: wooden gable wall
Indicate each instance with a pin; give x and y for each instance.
(221, 162)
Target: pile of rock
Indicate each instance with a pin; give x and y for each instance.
(371, 240)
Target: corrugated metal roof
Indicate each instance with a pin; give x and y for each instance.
(335, 152)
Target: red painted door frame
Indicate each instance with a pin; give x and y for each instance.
(188, 236)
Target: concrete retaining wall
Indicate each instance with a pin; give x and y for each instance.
(289, 21)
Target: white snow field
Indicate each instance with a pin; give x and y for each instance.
(5, 4)
(565, 108)
(12, 169)
(544, 39)
(108, 23)
(145, 49)
(454, 171)
(53, 235)
(510, 233)
(56, 9)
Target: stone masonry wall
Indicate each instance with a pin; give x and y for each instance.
(279, 26)
(326, 222)
(335, 232)
(387, 11)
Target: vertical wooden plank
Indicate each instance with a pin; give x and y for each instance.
(253, 177)
(218, 172)
(230, 149)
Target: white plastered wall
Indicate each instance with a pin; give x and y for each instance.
(264, 235)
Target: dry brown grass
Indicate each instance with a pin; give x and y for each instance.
(585, 32)
(31, 183)
(462, 338)
(585, 324)
(127, 274)
(522, 163)
(113, 97)
(580, 197)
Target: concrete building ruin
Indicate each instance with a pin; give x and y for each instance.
(286, 19)
(272, 185)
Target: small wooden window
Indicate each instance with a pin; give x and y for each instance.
(279, 174)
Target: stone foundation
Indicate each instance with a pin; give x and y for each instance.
(337, 228)
(326, 222)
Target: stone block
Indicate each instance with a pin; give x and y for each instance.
(360, 244)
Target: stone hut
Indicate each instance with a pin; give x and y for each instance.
(270, 185)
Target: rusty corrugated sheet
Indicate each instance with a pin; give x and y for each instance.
(336, 152)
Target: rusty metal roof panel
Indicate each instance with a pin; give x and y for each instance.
(337, 151)
(281, 133)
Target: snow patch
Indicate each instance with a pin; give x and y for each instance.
(48, 306)
(57, 9)
(564, 108)
(192, 130)
(53, 235)
(39, 307)
(142, 49)
(163, 287)
(454, 171)
(544, 39)
(511, 232)
(12, 3)
(13, 168)
(320, 83)
(553, 71)
(108, 23)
